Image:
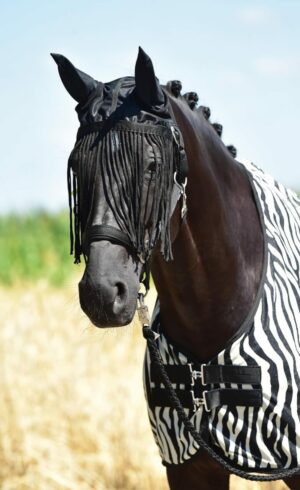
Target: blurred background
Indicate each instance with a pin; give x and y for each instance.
(71, 400)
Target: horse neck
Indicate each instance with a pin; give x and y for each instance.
(208, 289)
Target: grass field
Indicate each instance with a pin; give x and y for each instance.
(35, 246)
(72, 409)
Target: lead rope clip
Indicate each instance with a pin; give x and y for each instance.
(143, 314)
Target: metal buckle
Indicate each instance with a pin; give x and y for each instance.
(200, 402)
(182, 193)
(197, 374)
(175, 136)
(184, 206)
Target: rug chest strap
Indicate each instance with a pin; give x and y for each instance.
(158, 397)
(212, 374)
(196, 377)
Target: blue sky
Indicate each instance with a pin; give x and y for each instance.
(242, 57)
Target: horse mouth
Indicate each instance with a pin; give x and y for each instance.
(107, 314)
(109, 322)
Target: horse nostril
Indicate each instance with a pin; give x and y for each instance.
(120, 298)
(121, 292)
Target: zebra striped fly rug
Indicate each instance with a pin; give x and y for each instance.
(262, 438)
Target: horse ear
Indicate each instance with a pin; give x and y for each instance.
(147, 86)
(78, 84)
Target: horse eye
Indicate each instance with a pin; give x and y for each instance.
(152, 166)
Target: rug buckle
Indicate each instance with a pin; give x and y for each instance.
(200, 402)
(195, 374)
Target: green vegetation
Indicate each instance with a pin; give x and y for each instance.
(35, 246)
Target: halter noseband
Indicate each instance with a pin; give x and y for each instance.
(97, 233)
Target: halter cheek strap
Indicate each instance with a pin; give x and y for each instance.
(180, 175)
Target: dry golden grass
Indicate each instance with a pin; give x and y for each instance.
(71, 403)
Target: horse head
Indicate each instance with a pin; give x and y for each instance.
(120, 180)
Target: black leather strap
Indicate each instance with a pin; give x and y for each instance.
(212, 374)
(176, 374)
(158, 397)
(232, 398)
(106, 232)
(216, 374)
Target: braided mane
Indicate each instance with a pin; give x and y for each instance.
(191, 99)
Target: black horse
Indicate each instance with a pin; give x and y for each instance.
(207, 246)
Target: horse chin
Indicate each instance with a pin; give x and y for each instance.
(101, 320)
(112, 314)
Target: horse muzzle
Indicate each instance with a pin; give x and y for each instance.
(109, 287)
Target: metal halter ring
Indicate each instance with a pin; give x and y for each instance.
(182, 188)
(175, 136)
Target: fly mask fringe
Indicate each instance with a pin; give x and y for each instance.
(139, 200)
(76, 173)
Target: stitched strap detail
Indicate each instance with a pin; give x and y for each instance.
(232, 374)
(233, 398)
